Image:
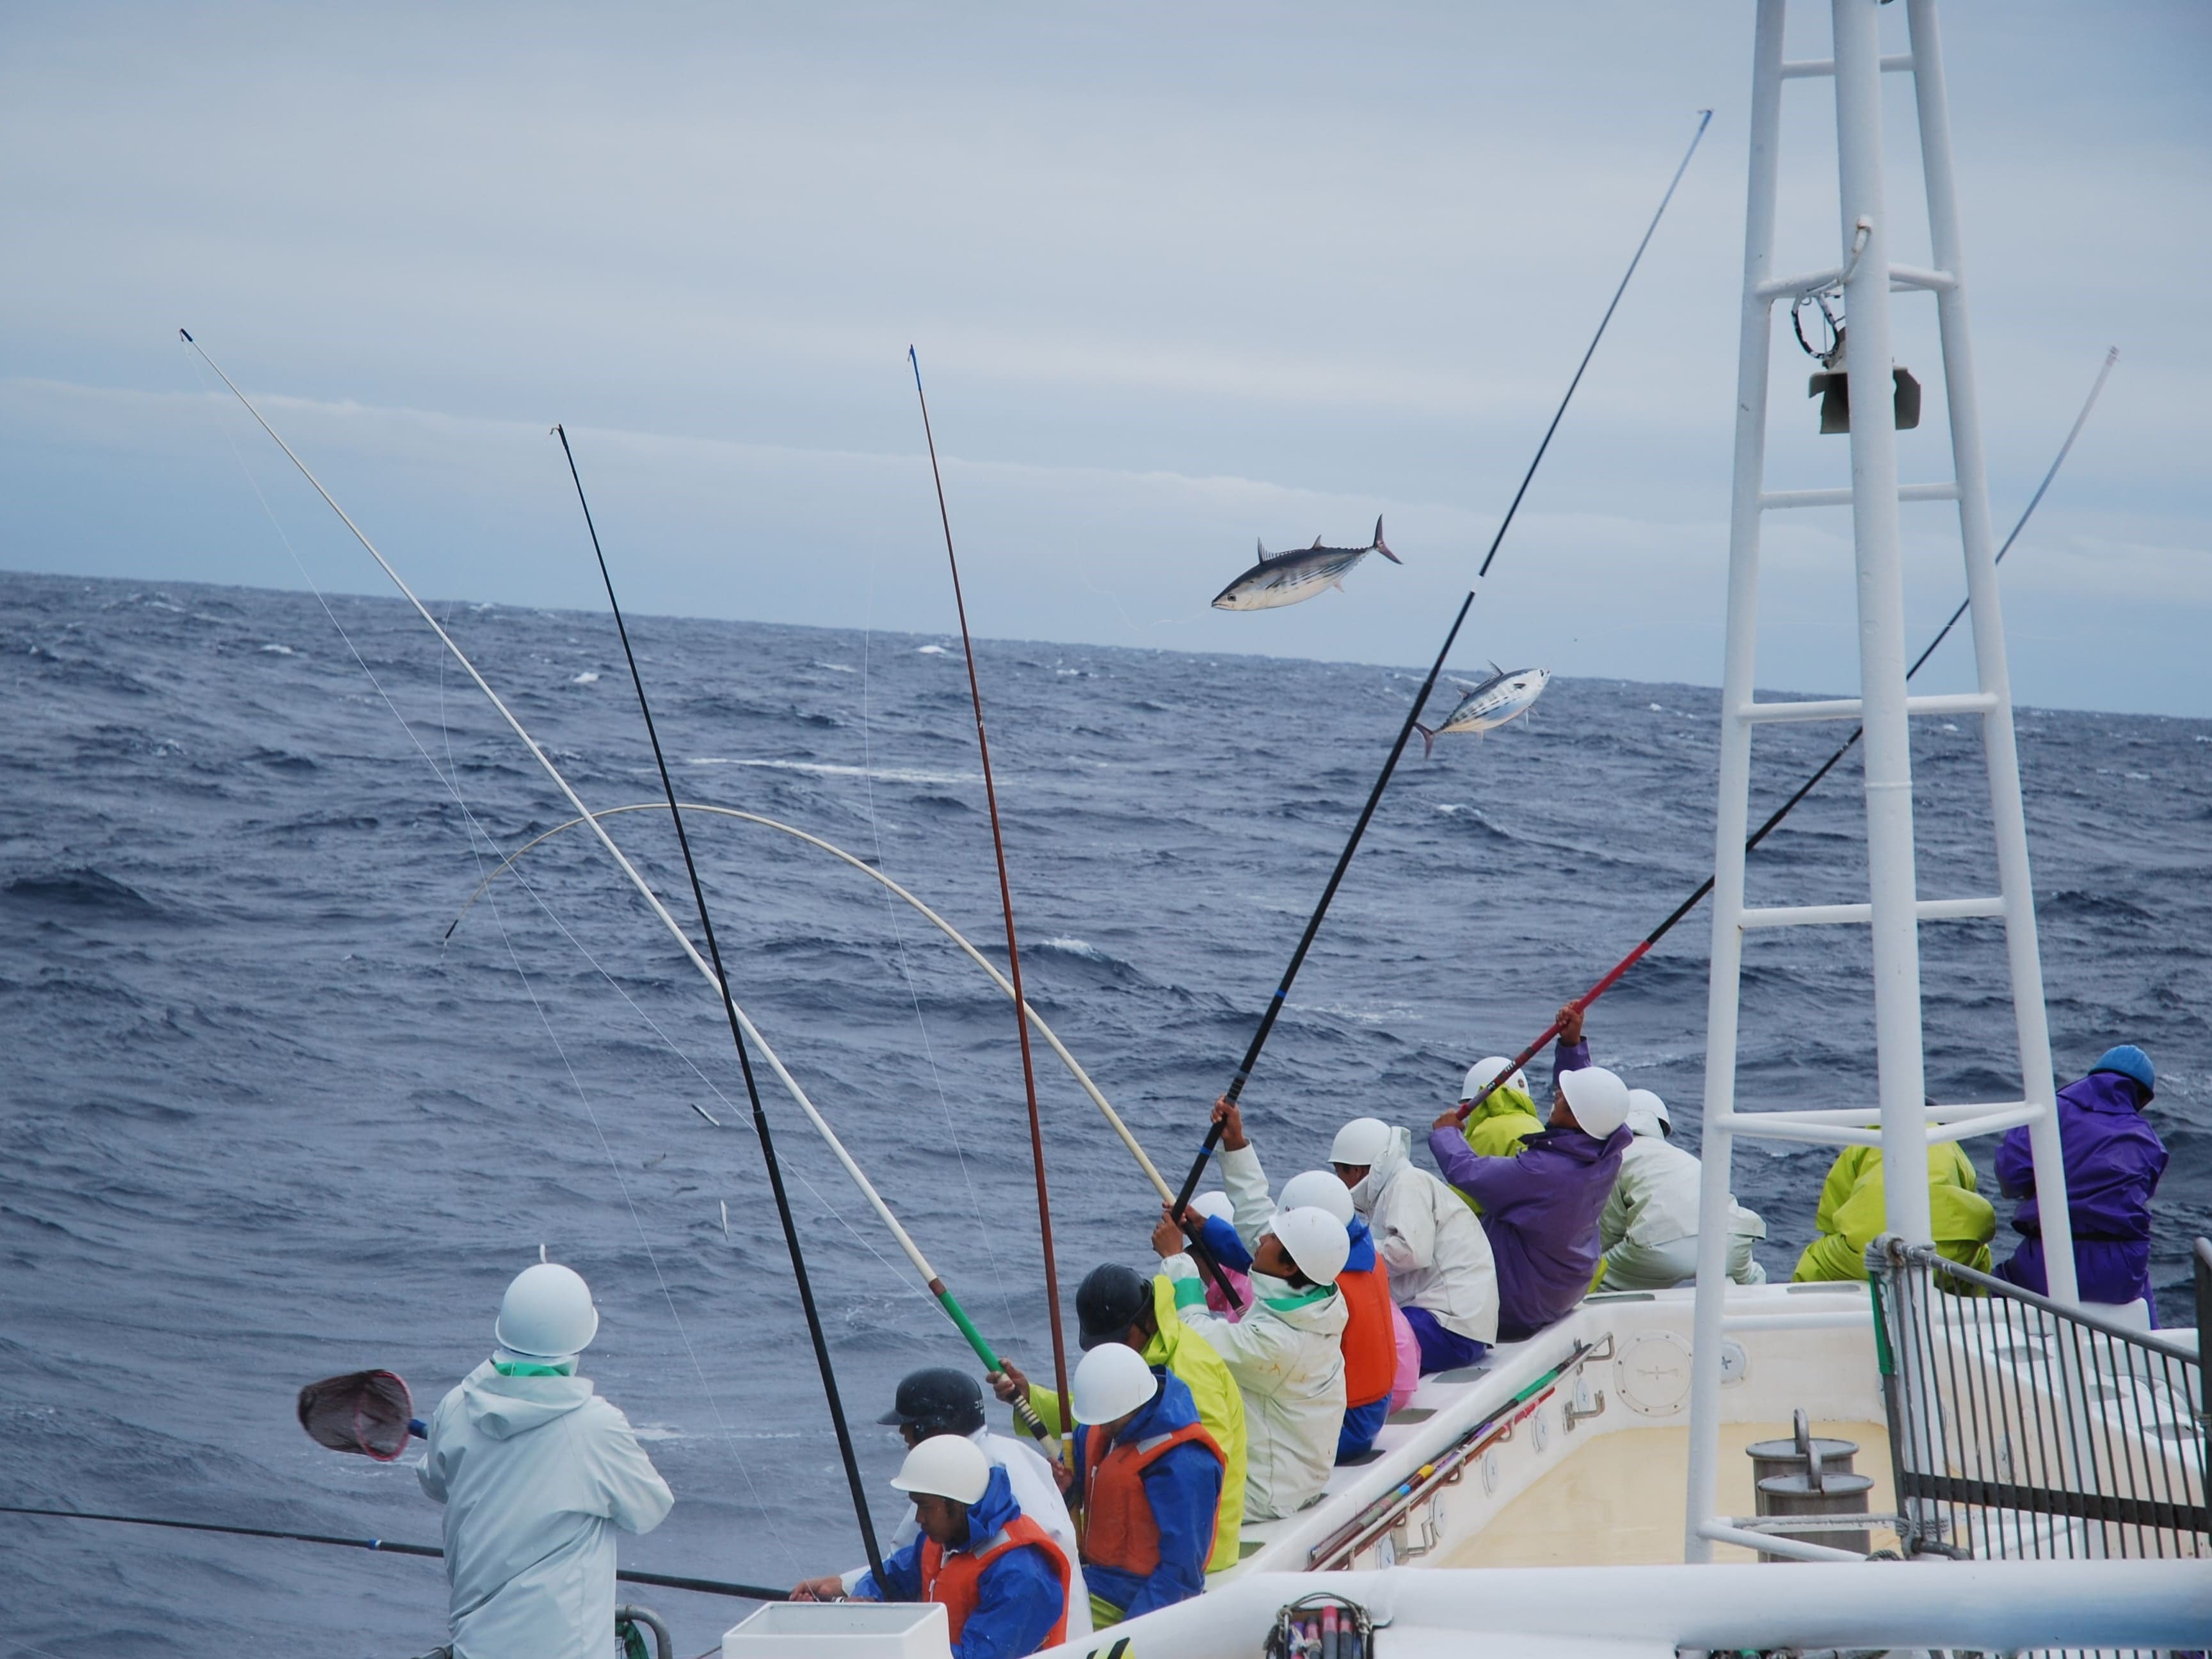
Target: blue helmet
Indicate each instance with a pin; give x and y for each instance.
(2129, 1061)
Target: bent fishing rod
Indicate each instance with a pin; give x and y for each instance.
(1005, 909)
(737, 1037)
(387, 1546)
(1275, 1003)
(1029, 1420)
(1613, 974)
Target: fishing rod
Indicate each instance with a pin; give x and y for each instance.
(1006, 910)
(1613, 974)
(1420, 698)
(1033, 1425)
(737, 1037)
(387, 1547)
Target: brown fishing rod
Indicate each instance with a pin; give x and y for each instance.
(1613, 974)
(1420, 700)
(1006, 909)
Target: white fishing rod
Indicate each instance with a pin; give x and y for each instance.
(946, 1299)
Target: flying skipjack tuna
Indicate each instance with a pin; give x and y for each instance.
(1507, 695)
(1286, 578)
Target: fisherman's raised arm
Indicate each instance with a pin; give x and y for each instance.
(1242, 1175)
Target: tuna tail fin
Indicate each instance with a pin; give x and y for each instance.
(1428, 740)
(1379, 545)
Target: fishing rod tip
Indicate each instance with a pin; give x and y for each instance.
(186, 336)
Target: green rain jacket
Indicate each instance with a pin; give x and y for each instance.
(1220, 1408)
(1498, 1127)
(1852, 1210)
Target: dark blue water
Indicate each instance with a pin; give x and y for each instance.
(262, 1126)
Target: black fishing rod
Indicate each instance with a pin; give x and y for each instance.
(387, 1547)
(1420, 698)
(744, 1057)
(1614, 974)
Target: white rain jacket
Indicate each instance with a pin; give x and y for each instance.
(1439, 1255)
(535, 1474)
(1648, 1226)
(1028, 1474)
(1286, 1356)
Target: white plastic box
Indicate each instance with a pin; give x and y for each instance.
(842, 1629)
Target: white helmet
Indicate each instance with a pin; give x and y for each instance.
(1318, 1189)
(1361, 1142)
(1112, 1382)
(1316, 1241)
(1483, 1071)
(1597, 1097)
(1647, 1114)
(948, 1466)
(547, 1313)
(1213, 1207)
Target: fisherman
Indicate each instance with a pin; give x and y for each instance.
(1216, 1217)
(2114, 1159)
(535, 1472)
(1649, 1227)
(1003, 1582)
(1506, 1120)
(1369, 1343)
(941, 1400)
(1853, 1211)
(1148, 1478)
(1284, 1353)
(1541, 1206)
(1441, 1271)
(1115, 1303)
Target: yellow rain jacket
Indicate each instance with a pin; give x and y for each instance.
(1852, 1210)
(1498, 1127)
(1221, 1409)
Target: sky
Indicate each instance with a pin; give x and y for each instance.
(1182, 278)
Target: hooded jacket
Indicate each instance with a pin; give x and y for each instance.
(1853, 1211)
(2114, 1159)
(1504, 1123)
(1020, 1597)
(535, 1473)
(1285, 1357)
(1439, 1256)
(1539, 1208)
(1182, 1490)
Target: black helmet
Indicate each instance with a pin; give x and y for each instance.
(939, 1400)
(1108, 1302)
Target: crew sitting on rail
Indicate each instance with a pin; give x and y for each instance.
(1853, 1212)
(1117, 1304)
(1370, 1344)
(2114, 1159)
(535, 1472)
(1541, 1206)
(1441, 1271)
(1649, 1227)
(1284, 1352)
(1148, 1479)
(1002, 1580)
(941, 1400)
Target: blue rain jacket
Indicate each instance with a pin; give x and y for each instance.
(2114, 1161)
(1184, 1489)
(1018, 1596)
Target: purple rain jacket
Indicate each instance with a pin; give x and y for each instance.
(2114, 1159)
(1540, 1209)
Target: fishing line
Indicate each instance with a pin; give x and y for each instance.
(1006, 909)
(1775, 817)
(1235, 1089)
(744, 1056)
(469, 818)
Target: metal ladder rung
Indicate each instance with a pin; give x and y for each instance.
(1848, 708)
(1844, 916)
(1847, 1126)
(1773, 499)
(1919, 276)
(1805, 68)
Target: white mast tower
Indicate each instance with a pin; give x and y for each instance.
(1867, 278)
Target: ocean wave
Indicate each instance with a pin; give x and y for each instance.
(833, 769)
(82, 891)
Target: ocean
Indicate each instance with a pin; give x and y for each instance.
(263, 1122)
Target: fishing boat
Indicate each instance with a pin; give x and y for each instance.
(1931, 1459)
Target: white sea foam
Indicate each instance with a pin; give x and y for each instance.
(929, 650)
(838, 667)
(827, 769)
(586, 677)
(279, 650)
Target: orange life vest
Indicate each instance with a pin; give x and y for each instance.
(1119, 1528)
(1371, 1340)
(956, 1580)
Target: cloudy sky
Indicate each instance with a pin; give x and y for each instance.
(1182, 276)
